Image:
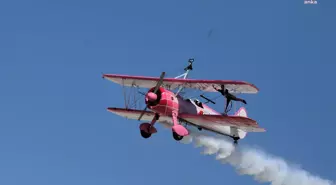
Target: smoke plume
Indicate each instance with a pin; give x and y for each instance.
(254, 162)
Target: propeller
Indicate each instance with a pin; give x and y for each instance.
(151, 96)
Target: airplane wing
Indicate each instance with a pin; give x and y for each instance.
(210, 122)
(172, 83)
(134, 114)
(214, 122)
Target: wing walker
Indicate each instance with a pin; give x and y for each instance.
(164, 104)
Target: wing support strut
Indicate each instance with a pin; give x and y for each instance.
(185, 74)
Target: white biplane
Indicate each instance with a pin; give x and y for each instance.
(172, 110)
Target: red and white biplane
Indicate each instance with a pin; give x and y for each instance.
(174, 111)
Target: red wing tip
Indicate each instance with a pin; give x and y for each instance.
(112, 75)
(107, 76)
(254, 86)
(115, 109)
(111, 109)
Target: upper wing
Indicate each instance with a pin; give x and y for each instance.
(172, 83)
(214, 122)
(134, 114)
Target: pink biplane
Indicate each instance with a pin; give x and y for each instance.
(172, 110)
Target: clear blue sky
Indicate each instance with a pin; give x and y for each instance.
(54, 127)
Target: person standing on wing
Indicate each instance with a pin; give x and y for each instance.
(228, 97)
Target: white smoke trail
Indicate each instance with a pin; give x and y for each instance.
(250, 161)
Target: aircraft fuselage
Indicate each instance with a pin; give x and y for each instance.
(165, 102)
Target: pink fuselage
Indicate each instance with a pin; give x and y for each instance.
(167, 103)
(164, 103)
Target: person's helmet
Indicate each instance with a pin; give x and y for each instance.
(196, 101)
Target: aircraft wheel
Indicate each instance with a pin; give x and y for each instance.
(145, 134)
(235, 142)
(177, 137)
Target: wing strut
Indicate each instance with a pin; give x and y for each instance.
(185, 75)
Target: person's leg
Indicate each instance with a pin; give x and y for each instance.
(241, 100)
(227, 104)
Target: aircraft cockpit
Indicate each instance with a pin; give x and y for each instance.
(196, 102)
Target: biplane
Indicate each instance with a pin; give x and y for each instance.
(178, 112)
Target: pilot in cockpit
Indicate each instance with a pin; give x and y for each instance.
(198, 103)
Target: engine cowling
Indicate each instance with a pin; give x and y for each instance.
(153, 99)
(163, 101)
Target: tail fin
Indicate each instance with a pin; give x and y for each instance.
(243, 113)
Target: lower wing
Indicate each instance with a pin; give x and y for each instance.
(213, 122)
(209, 122)
(134, 114)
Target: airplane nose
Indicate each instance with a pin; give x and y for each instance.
(151, 96)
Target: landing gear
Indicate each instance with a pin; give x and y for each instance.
(147, 129)
(177, 137)
(145, 134)
(179, 131)
(235, 142)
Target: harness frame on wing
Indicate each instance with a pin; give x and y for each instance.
(132, 93)
(137, 95)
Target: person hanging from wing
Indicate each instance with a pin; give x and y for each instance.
(228, 97)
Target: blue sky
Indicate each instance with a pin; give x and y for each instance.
(54, 127)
